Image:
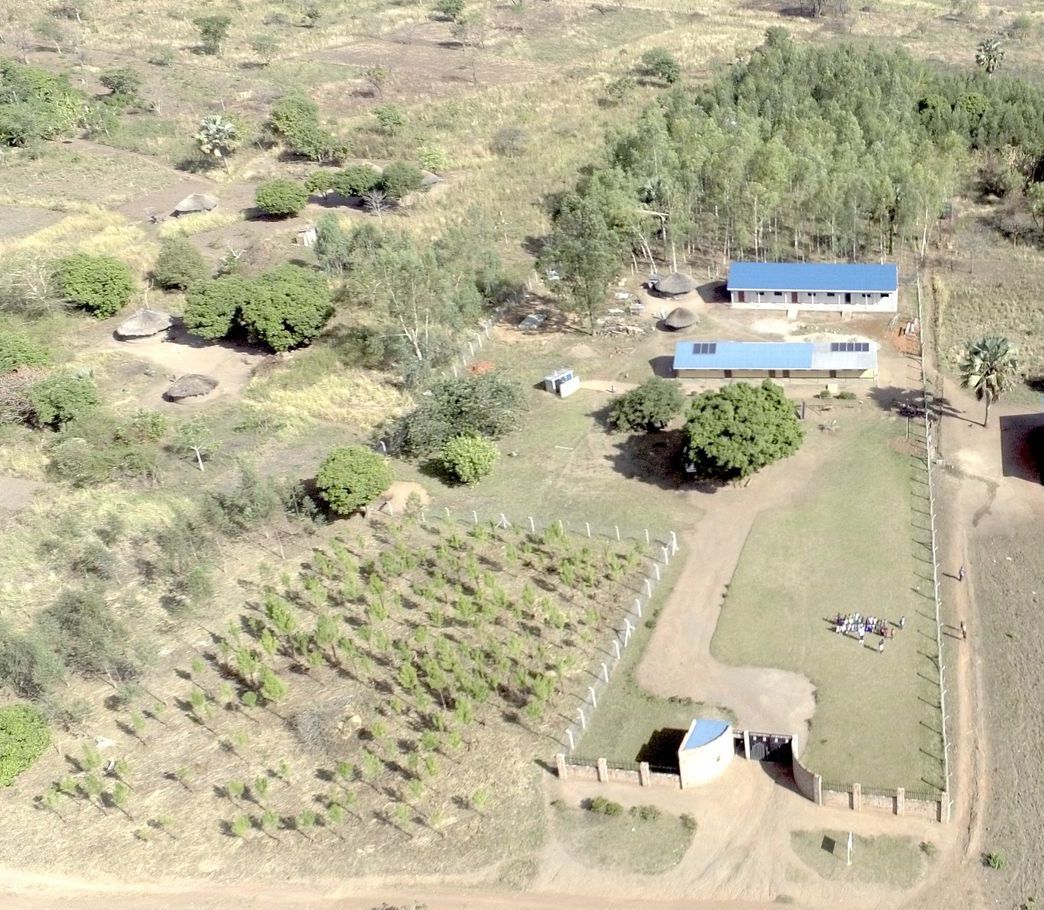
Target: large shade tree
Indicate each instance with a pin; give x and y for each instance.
(988, 368)
(735, 432)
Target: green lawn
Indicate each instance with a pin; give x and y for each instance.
(889, 860)
(852, 546)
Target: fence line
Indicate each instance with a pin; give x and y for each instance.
(926, 412)
(662, 546)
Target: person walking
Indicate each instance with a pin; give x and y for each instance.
(960, 573)
(964, 631)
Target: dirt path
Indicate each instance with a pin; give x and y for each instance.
(678, 659)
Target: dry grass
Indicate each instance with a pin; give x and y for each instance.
(190, 225)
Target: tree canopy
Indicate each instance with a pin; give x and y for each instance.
(649, 407)
(988, 368)
(281, 197)
(36, 105)
(179, 263)
(23, 738)
(351, 477)
(735, 432)
(467, 459)
(100, 284)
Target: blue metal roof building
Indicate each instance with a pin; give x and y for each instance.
(814, 276)
(727, 359)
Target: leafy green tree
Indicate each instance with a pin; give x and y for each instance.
(240, 826)
(649, 407)
(218, 137)
(486, 405)
(265, 46)
(23, 739)
(212, 32)
(123, 82)
(390, 118)
(61, 398)
(351, 477)
(659, 62)
(295, 120)
(179, 264)
(356, 180)
(582, 255)
(289, 306)
(989, 55)
(281, 197)
(36, 105)
(738, 430)
(400, 178)
(271, 688)
(17, 349)
(433, 158)
(988, 368)
(467, 459)
(377, 78)
(100, 284)
(213, 306)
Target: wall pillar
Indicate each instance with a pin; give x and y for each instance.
(944, 807)
(644, 776)
(900, 800)
(857, 797)
(560, 765)
(746, 744)
(817, 789)
(603, 771)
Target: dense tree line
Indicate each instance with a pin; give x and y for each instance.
(798, 151)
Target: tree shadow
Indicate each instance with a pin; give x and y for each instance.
(663, 366)
(714, 292)
(657, 459)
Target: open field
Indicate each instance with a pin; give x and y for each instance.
(890, 860)
(840, 551)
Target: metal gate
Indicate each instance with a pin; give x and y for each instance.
(770, 747)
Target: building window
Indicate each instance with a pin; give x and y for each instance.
(831, 294)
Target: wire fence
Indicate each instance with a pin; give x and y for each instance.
(661, 547)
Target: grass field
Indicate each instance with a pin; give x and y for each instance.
(853, 546)
(886, 860)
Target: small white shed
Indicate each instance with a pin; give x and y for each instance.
(705, 752)
(562, 383)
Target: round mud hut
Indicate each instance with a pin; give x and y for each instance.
(144, 324)
(680, 318)
(675, 285)
(192, 385)
(196, 202)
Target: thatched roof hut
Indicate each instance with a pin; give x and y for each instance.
(675, 284)
(192, 385)
(196, 202)
(144, 323)
(680, 318)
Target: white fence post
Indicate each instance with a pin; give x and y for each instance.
(474, 517)
(572, 745)
(594, 701)
(638, 605)
(587, 525)
(647, 535)
(605, 672)
(532, 525)
(617, 529)
(648, 588)
(583, 719)
(616, 647)
(656, 569)
(674, 542)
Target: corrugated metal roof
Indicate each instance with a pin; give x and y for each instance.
(813, 276)
(771, 355)
(703, 732)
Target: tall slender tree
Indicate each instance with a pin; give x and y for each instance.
(988, 369)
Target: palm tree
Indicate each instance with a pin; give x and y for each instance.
(990, 54)
(988, 368)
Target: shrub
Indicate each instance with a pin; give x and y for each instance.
(649, 407)
(659, 62)
(846, 396)
(288, 307)
(60, 398)
(645, 813)
(295, 120)
(433, 158)
(19, 350)
(356, 179)
(688, 822)
(825, 394)
(85, 633)
(23, 738)
(994, 860)
(467, 459)
(37, 105)
(213, 306)
(122, 82)
(351, 477)
(179, 264)
(390, 118)
(281, 197)
(602, 806)
(449, 9)
(212, 31)
(509, 142)
(27, 666)
(98, 448)
(100, 284)
(400, 178)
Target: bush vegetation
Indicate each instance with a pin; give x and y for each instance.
(100, 284)
(18, 349)
(351, 477)
(467, 459)
(179, 264)
(61, 398)
(649, 407)
(23, 738)
(36, 105)
(281, 198)
(294, 121)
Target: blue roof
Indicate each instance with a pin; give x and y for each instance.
(770, 355)
(703, 732)
(813, 276)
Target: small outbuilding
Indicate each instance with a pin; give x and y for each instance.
(706, 751)
(680, 318)
(562, 383)
(837, 286)
(775, 360)
(674, 285)
(145, 323)
(196, 202)
(192, 385)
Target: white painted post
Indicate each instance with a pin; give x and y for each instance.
(617, 529)
(504, 523)
(638, 605)
(455, 371)
(561, 526)
(648, 588)
(532, 525)
(448, 518)
(656, 569)
(474, 516)
(583, 719)
(471, 348)
(487, 329)
(605, 672)
(572, 745)
(666, 555)
(674, 542)
(594, 701)
(647, 535)
(627, 635)
(384, 448)
(587, 525)
(616, 647)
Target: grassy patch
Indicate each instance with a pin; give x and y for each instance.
(887, 860)
(646, 846)
(850, 547)
(198, 223)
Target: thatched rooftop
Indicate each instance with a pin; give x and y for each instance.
(191, 385)
(675, 284)
(680, 318)
(196, 202)
(144, 323)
